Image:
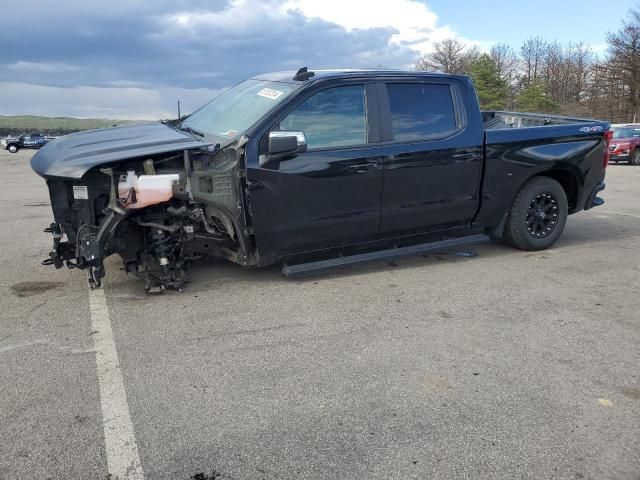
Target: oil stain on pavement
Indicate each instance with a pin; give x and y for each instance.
(27, 289)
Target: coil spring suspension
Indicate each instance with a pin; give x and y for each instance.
(160, 245)
(171, 273)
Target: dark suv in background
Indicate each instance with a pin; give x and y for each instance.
(26, 140)
(624, 145)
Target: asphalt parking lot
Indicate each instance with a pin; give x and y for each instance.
(507, 364)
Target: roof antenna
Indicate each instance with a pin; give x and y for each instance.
(303, 74)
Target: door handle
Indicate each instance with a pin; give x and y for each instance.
(465, 156)
(364, 167)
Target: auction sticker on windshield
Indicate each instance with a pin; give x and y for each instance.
(270, 93)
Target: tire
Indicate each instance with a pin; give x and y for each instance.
(538, 214)
(13, 148)
(635, 158)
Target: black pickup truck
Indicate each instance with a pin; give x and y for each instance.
(314, 170)
(26, 140)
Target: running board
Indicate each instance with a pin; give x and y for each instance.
(323, 265)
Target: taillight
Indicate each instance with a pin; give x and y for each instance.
(608, 135)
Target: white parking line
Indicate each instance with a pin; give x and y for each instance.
(123, 460)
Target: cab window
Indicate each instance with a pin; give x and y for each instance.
(421, 111)
(335, 117)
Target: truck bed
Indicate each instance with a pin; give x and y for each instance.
(496, 120)
(522, 145)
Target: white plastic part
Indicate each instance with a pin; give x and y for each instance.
(149, 189)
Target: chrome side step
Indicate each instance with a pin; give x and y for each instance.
(323, 265)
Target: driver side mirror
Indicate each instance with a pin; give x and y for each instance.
(283, 145)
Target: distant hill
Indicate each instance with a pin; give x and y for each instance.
(17, 124)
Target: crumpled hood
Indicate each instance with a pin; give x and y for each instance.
(73, 155)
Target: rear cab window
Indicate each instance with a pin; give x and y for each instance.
(422, 111)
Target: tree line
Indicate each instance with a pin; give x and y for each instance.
(18, 124)
(550, 77)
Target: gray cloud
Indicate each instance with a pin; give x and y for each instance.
(132, 103)
(166, 47)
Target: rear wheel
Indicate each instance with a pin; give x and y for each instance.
(12, 148)
(635, 158)
(538, 214)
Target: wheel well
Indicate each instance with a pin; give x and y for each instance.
(569, 183)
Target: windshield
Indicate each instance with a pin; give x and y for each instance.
(234, 111)
(626, 132)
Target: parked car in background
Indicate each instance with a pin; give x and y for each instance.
(26, 140)
(625, 142)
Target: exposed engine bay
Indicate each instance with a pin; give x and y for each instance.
(159, 213)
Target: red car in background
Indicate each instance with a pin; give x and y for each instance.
(625, 142)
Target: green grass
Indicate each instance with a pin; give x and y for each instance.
(53, 125)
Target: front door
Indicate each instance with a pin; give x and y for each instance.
(328, 196)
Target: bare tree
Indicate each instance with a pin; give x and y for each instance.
(448, 56)
(581, 60)
(554, 72)
(532, 53)
(624, 62)
(604, 93)
(506, 61)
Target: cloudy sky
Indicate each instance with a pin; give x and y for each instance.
(135, 58)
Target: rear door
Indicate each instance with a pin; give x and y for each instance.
(434, 152)
(328, 196)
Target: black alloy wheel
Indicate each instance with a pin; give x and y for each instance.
(542, 215)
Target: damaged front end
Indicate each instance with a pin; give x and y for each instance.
(159, 212)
